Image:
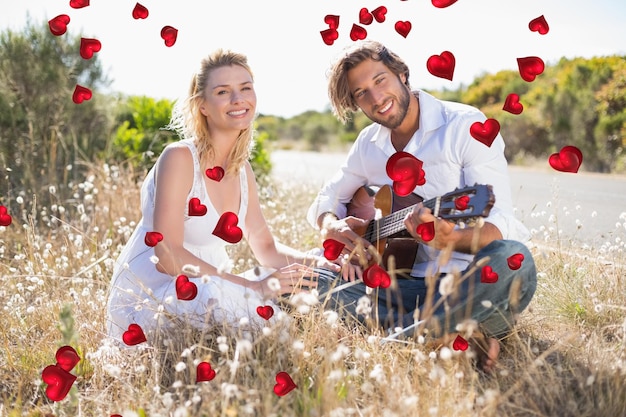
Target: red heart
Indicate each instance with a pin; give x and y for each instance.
(460, 343)
(88, 47)
(329, 36)
(539, 24)
(152, 238)
(426, 231)
(284, 384)
(58, 25)
(379, 14)
(265, 311)
(81, 94)
(140, 12)
(403, 28)
(332, 249)
(67, 358)
(215, 173)
(169, 35)
(406, 172)
(5, 217)
(332, 21)
(530, 67)
(515, 261)
(443, 3)
(227, 228)
(487, 275)
(79, 4)
(375, 276)
(365, 17)
(357, 32)
(568, 159)
(442, 66)
(59, 382)
(196, 208)
(134, 335)
(204, 373)
(461, 203)
(485, 132)
(512, 104)
(185, 289)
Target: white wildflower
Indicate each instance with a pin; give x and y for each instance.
(446, 285)
(180, 366)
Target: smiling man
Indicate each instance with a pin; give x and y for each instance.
(370, 78)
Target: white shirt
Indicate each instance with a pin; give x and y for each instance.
(451, 158)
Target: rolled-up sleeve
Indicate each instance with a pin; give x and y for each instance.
(339, 190)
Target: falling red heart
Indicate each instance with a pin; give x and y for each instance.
(329, 36)
(196, 208)
(332, 249)
(204, 373)
(59, 382)
(487, 275)
(79, 4)
(169, 35)
(406, 172)
(140, 12)
(332, 21)
(460, 343)
(134, 335)
(227, 228)
(461, 203)
(379, 13)
(539, 24)
(5, 217)
(365, 17)
(152, 238)
(265, 311)
(185, 289)
(530, 67)
(215, 173)
(403, 28)
(515, 261)
(512, 104)
(443, 3)
(67, 358)
(568, 159)
(426, 231)
(442, 65)
(81, 94)
(357, 32)
(88, 47)
(375, 276)
(58, 25)
(485, 132)
(284, 384)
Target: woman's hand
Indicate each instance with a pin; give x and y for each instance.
(285, 281)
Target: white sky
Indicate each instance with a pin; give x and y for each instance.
(282, 39)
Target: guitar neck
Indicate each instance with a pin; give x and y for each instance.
(389, 225)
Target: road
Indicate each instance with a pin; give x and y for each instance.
(586, 207)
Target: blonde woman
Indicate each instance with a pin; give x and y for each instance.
(201, 196)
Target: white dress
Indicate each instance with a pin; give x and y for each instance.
(139, 291)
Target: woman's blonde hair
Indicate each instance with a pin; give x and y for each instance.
(341, 98)
(189, 122)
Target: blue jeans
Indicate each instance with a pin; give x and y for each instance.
(493, 306)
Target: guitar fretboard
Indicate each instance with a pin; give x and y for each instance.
(394, 223)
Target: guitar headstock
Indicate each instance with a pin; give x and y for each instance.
(466, 204)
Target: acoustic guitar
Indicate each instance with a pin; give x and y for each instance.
(386, 211)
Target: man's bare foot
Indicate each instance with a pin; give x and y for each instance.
(487, 351)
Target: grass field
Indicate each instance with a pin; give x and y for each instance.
(566, 358)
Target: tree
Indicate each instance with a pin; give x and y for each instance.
(43, 133)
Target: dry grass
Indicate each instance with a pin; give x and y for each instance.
(567, 358)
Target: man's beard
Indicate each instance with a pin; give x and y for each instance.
(403, 106)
